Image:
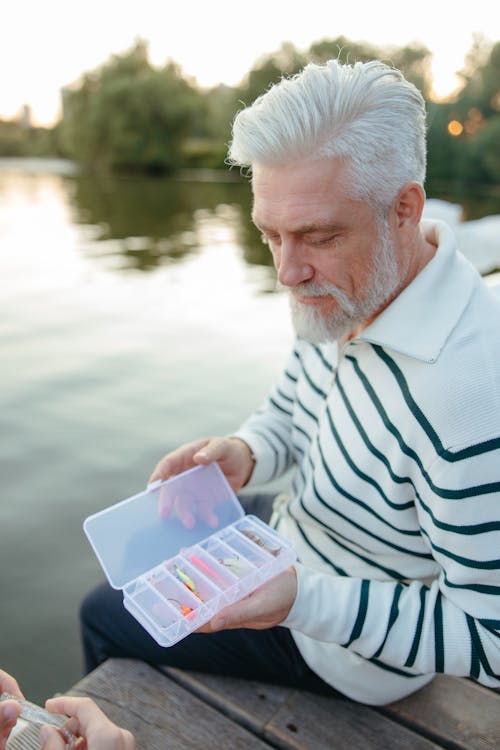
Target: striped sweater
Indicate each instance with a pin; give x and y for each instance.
(395, 508)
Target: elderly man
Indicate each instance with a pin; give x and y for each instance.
(389, 410)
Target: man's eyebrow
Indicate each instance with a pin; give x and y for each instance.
(303, 228)
(311, 228)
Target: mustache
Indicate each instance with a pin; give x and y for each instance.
(313, 289)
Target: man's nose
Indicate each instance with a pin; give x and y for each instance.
(291, 265)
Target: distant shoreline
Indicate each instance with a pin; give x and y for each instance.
(66, 167)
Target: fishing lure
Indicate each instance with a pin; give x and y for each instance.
(38, 715)
(183, 608)
(186, 580)
(236, 565)
(257, 540)
(206, 568)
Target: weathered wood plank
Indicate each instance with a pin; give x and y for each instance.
(251, 704)
(456, 712)
(161, 713)
(309, 721)
(172, 709)
(452, 712)
(292, 719)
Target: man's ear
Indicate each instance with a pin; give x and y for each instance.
(408, 207)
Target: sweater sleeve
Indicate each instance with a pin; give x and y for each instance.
(451, 625)
(268, 431)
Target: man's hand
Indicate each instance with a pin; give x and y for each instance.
(264, 608)
(232, 454)
(9, 710)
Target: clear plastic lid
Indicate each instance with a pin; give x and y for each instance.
(134, 535)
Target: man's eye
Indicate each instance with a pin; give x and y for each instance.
(270, 239)
(331, 239)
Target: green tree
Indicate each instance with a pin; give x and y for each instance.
(484, 154)
(211, 130)
(269, 69)
(130, 116)
(342, 49)
(481, 78)
(126, 115)
(413, 60)
(467, 153)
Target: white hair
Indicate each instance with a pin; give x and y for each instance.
(367, 114)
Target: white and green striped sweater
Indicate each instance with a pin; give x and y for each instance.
(395, 510)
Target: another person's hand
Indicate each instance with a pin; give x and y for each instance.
(89, 722)
(9, 710)
(232, 454)
(264, 608)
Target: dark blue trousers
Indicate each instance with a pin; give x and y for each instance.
(108, 630)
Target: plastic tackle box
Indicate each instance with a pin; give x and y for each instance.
(182, 550)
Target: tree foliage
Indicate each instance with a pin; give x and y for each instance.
(270, 69)
(129, 115)
(464, 132)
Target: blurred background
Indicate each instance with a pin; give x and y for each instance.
(137, 304)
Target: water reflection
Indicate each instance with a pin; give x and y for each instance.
(143, 223)
(148, 222)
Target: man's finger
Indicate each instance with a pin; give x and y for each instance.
(9, 685)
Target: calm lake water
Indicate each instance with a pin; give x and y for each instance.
(136, 314)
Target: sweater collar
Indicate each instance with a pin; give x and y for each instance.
(421, 318)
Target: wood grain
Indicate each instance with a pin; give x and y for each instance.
(159, 712)
(460, 713)
(170, 709)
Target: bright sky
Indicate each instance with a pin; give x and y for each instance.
(47, 44)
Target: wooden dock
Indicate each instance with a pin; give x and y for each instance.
(169, 709)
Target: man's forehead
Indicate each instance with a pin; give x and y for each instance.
(299, 214)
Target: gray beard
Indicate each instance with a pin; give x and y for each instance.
(312, 325)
